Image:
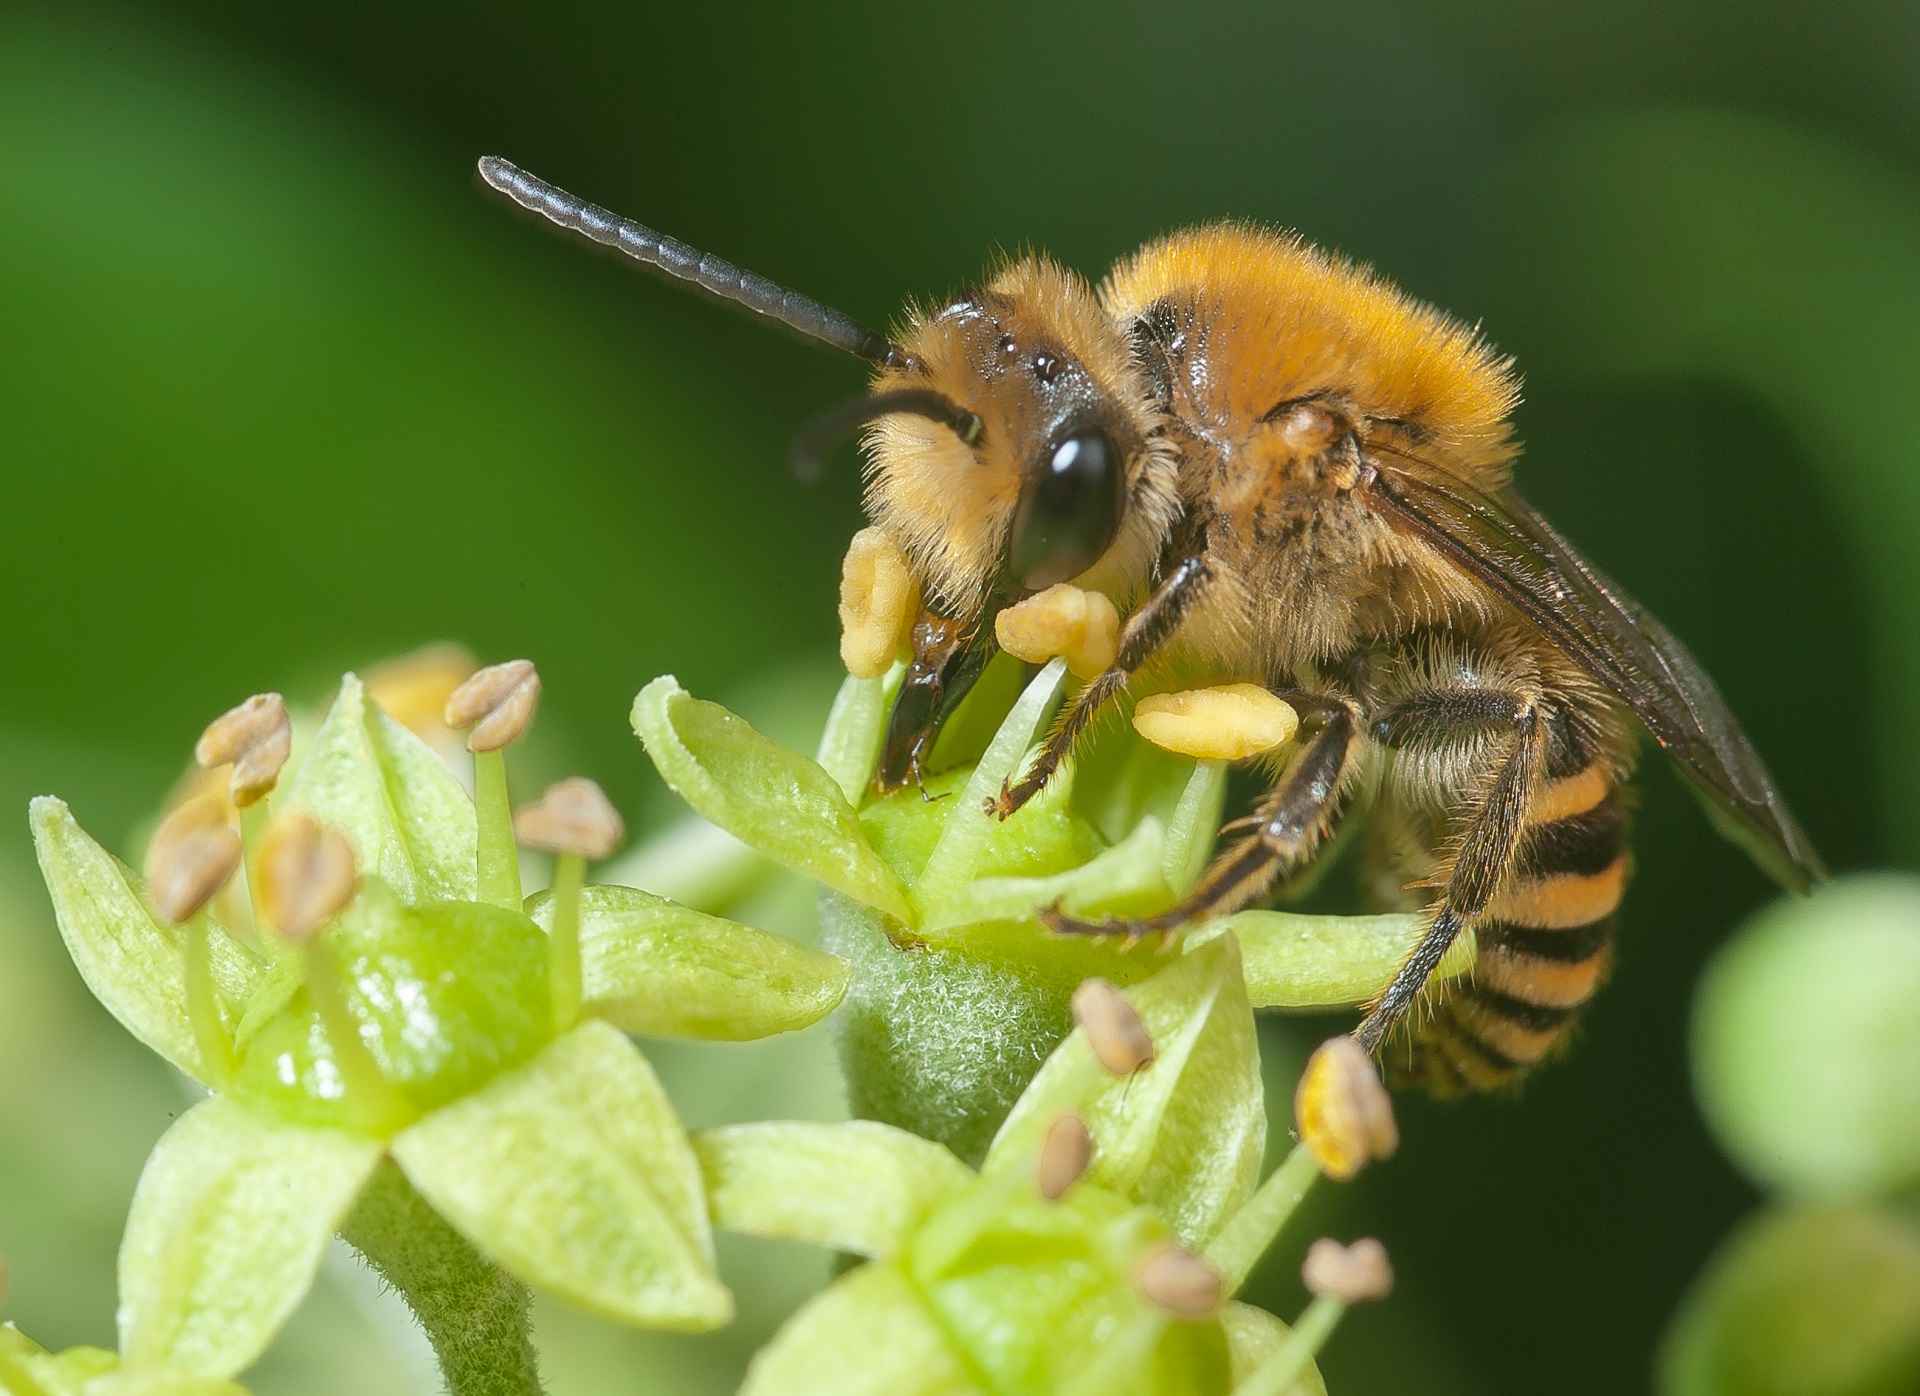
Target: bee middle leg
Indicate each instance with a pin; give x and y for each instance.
(1146, 631)
(1287, 826)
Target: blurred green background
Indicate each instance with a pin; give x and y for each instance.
(281, 393)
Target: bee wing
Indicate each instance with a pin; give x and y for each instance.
(1500, 541)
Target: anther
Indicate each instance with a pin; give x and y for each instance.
(1342, 1112)
(1063, 620)
(1179, 1282)
(498, 702)
(573, 816)
(307, 875)
(190, 857)
(255, 739)
(878, 598)
(1064, 1156)
(1228, 723)
(1113, 1030)
(1353, 1274)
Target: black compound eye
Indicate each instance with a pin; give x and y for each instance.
(1070, 512)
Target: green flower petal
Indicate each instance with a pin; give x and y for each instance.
(856, 1187)
(1129, 877)
(409, 821)
(652, 966)
(867, 1334)
(770, 798)
(1183, 1137)
(1254, 1335)
(133, 964)
(1295, 961)
(573, 1173)
(229, 1223)
(850, 745)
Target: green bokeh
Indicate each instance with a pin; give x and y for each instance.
(281, 393)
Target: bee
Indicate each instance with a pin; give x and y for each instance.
(1286, 472)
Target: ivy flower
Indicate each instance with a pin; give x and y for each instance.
(399, 1047)
(27, 1369)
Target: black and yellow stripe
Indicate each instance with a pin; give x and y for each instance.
(1544, 944)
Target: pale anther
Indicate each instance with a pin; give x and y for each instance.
(1352, 1274)
(1341, 1111)
(1062, 621)
(1064, 1156)
(1180, 1283)
(255, 739)
(1228, 723)
(307, 875)
(573, 816)
(1113, 1030)
(498, 702)
(878, 599)
(190, 857)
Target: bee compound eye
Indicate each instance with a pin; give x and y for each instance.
(1070, 512)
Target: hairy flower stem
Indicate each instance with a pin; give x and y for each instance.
(563, 945)
(499, 859)
(1246, 1236)
(203, 1008)
(477, 1317)
(1277, 1374)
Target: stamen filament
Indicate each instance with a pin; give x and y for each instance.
(203, 1008)
(253, 829)
(1278, 1373)
(498, 863)
(376, 1103)
(1248, 1233)
(563, 945)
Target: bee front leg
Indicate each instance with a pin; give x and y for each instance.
(1289, 824)
(1146, 631)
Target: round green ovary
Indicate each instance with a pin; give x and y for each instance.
(448, 995)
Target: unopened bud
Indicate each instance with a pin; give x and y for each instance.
(878, 598)
(574, 816)
(1228, 723)
(498, 702)
(1179, 1282)
(1113, 1030)
(1064, 621)
(190, 858)
(1064, 1156)
(306, 875)
(1352, 1274)
(255, 739)
(1342, 1112)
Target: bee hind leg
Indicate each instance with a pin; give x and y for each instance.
(1290, 823)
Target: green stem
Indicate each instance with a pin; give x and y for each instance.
(563, 945)
(498, 863)
(253, 828)
(203, 1008)
(376, 1103)
(1248, 1233)
(1278, 1373)
(477, 1316)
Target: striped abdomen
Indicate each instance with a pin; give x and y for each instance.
(1545, 943)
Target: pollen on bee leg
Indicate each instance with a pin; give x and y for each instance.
(878, 598)
(1228, 723)
(1342, 1112)
(1083, 627)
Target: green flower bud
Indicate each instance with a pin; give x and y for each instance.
(1806, 1041)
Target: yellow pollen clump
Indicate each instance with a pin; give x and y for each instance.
(878, 599)
(1062, 621)
(1342, 1112)
(1229, 723)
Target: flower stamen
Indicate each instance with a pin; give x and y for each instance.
(498, 703)
(1114, 1032)
(189, 859)
(1064, 1156)
(576, 823)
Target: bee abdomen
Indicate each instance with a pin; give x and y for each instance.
(1544, 947)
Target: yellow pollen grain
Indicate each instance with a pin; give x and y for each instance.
(1229, 723)
(1062, 622)
(878, 599)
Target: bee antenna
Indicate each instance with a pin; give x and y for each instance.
(813, 443)
(718, 278)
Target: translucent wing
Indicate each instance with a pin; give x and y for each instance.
(1500, 541)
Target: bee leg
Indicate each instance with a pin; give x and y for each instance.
(1147, 630)
(1292, 820)
(1486, 853)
